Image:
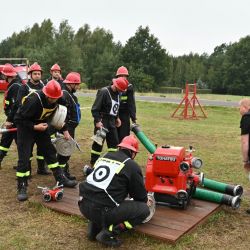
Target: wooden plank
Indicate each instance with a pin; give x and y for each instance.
(168, 224)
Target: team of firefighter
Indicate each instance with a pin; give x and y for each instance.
(28, 107)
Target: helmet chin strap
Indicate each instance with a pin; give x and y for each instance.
(35, 81)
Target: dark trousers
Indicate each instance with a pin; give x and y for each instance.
(134, 212)
(25, 141)
(64, 159)
(124, 129)
(112, 142)
(6, 140)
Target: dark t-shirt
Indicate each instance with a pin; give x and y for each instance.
(245, 127)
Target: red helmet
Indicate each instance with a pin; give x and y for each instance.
(120, 83)
(53, 89)
(9, 70)
(73, 78)
(122, 71)
(55, 67)
(129, 142)
(35, 67)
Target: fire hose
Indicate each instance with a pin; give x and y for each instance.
(65, 147)
(7, 130)
(230, 194)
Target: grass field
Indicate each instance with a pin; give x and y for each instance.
(180, 95)
(217, 141)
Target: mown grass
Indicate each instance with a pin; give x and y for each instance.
(227, 98)
(216, 139)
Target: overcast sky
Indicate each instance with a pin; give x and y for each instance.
(182, 26)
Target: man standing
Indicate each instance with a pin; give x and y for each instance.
(55, 72)
(10, 108)
(105, 112)
(127, 108)
(70, 101)
(103, 195)
(32, 127)
(34, 84)
(245, 137)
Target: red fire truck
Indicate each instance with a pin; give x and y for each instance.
(21, 69)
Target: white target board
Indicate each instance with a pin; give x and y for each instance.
(104, 171)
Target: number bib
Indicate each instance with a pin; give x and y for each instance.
(104, 171)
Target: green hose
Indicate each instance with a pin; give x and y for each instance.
(143, 139)
(208, 195)
(223, 187)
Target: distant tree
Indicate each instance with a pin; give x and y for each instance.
(143, 52)
(100, 56)
(237, 63)
(216, 70)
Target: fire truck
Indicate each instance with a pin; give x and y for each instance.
(21, 67)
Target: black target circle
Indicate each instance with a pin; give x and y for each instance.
(115, 108)
(101, 173)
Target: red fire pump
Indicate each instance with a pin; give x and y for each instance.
(170, 175)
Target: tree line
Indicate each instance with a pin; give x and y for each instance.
(96, 56)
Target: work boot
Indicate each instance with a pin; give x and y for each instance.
(108, 239)
(92, 230)
(118, 229)
(62, 179)
(42, 168)
(22, 189)
(67, 173)
(87, 170)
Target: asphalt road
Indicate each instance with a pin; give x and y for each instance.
(203, 102)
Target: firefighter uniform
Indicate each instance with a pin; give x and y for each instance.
(103, 197)
(10, 108)
(36, 109)
(50, 78)
(24, 91)
(105, 109)
(127, 110)
(72, 120)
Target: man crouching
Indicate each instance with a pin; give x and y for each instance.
(103, 195)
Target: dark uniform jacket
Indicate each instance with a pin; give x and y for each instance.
(60, 81)
(73, 108)
(26, 89)
(127, 103)
(128, 181)
(34, 110)
(10, 100)
(103, 105)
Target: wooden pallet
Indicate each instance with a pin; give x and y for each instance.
(168, 224)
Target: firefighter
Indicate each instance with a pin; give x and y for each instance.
(10, 108)
(127, 108)
(34, 84)
(55, 72)
(72, 84)
(103, 194)
(105, 114)
(31, 119)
